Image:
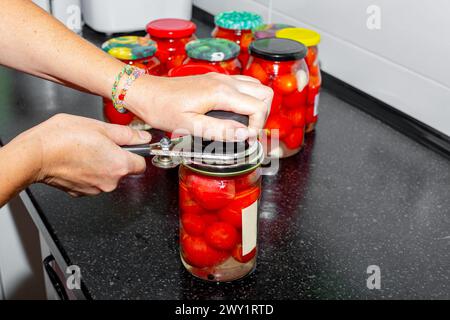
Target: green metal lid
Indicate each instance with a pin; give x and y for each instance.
(130, 47)
(212, 49)
(238, 20)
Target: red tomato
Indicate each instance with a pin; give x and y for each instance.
(114, 116)
(285, 84)
(296, 115)
(210, 218)
(310, 118)
(187, 203)
(193, 224)
(211, 193)
(295, 99)
(221, 236)
(276, 103)
(283, 124)
(295, 139)
(199, 254)
(237, 254)
(256, 71)
(277, 68)
(247, 181)
(233, 212)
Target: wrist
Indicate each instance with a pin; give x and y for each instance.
(141, 96)
(23, 160)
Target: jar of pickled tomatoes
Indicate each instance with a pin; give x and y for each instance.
(216, 52)
(265, 31)
(280, 64)
(136, 51)
(171, 36)
(219, 216)
(310, 39)
(237, 26)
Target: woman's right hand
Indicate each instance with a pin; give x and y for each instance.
(181, 103)
(81, 156)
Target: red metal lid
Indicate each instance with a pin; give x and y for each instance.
(171, 28)
(194, 69)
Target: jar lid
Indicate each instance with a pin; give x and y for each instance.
(212, 49)
(194, 69)
(130, 47)
(171, 28)
(306, 36)
(238, 20)
(238, 157)
(276, 49)
(268, 30)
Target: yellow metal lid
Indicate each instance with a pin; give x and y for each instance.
(306, 36)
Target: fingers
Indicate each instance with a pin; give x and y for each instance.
(215, 129)
(246, 78)
(124, 135)
(136, 164)
(244, 104)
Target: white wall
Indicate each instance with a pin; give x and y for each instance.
(405, 63)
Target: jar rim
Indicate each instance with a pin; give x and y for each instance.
(171, 28)
(278, 49)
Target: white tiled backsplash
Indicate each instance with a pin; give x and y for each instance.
(404, 63)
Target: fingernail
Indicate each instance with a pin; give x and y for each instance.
(144, 135)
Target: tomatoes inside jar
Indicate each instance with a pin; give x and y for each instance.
(138, 52)
(171, 36)
(218, 220)
(237, 26)
(280, 64)
(219, 53)
(310, 39)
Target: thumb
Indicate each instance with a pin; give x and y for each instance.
(124, 135)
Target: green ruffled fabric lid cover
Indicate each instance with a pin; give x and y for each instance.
(212, 49)
(238, 20)
(130, 47)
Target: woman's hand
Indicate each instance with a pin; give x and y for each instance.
(180, 103)
(82, 156)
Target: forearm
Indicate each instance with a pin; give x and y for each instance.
(34, 42)
(19, 167)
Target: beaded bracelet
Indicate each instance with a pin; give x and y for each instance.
(128, 70)
(131, 78)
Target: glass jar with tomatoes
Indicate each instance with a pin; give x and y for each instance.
(219, 216)
(171, 36)
(237, 26)
(136, 51)
(220, 53)
(310, 39)
(280, 64)
(265, 31)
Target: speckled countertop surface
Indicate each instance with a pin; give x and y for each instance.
(360, 194)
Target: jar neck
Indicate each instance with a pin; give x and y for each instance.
(237, 32)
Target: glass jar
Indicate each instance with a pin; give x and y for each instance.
(219, 218)
(216, 52)
(171, 36)
(136, 51)
(310, 39)
(280, 64)
(237, 26)
(269, 30)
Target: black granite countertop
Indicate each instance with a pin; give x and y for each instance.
(359, 194)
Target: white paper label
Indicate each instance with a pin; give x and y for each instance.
(316, 105)
(249, 228)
